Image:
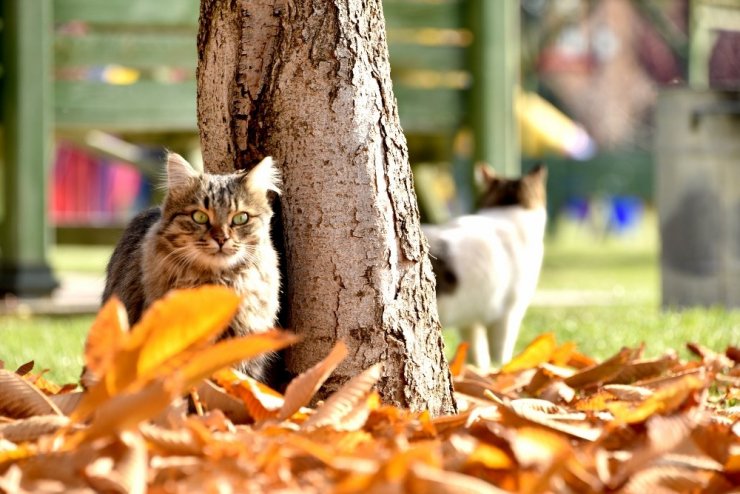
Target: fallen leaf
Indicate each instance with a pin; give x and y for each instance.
(457, 364)
(302, 388)
(260, 401)
(21, 399)
(601, 372)
(204, 363)
(345, 399)
(537, 352)
(178, 323)
(105, 336)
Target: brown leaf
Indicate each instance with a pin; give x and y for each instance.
(25, 368)
(30, 429)
(714, 360)
(664, 435)
(645, 369)
(733, 353)
(21, 399)
(602, 372)
(215, 398)
(122, 466)
(67, 402)
(424, 478)
(542, 413)
(301, 389)
(714, 439)
(667, 479)
(345, 399)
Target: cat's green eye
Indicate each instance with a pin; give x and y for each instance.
(200, 217)
(240, 218)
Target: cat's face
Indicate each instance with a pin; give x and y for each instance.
(529, 191)
(216, 221)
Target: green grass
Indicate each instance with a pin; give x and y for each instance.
(53, 343)
(616, 276)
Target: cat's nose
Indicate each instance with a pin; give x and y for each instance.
(219, 236)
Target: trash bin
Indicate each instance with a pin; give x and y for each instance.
(697, 155)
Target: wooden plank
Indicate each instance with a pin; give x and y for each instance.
(142, 50)
(424, 13)
(414, 57)
(430, 111)
(129, 12)
(494, 60)
(26, 153)
(144, 106)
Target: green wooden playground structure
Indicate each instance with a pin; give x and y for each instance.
(49, 46)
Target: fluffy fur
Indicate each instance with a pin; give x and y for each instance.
(487, 264)
(197, 237)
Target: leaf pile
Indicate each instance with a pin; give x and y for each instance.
(551, 420)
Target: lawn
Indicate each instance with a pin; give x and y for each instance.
(600, 291)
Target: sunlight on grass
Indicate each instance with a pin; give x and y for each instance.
(53, 343)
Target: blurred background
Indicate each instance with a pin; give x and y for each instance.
(633, 105)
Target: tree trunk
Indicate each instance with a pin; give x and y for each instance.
(308, 82)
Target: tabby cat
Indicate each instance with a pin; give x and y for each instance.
(211, 229)
(487, 264)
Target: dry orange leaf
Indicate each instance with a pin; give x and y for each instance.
(126, 410)
(345, 399)
(490, 457)
(216, 398)
(676, 432)
(179, 322)
(664, 400)
(457, 364)
(261, 401)
(301, 389)
(105, 336)
(563, 354)
(206, 362)
(537, 352)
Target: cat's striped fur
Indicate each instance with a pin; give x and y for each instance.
(197, 237)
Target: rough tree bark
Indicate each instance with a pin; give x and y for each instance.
(308, 82)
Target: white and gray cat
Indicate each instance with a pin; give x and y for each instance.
(211, 229)
(487, 264)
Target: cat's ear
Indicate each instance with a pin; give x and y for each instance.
(538, 173)
(264, 176)
(179, 172)
(485, 175)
